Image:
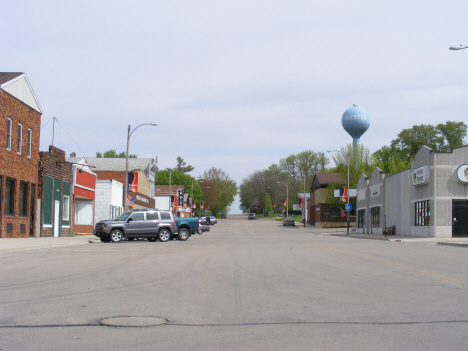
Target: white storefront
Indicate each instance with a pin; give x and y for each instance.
(108, 201)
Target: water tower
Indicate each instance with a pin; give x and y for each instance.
(355, 121)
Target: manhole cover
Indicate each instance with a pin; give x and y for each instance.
(133, 321)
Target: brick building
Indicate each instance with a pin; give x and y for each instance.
(20, 125)
(55, 182)
(322, 214)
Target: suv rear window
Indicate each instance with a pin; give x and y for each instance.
(165, 215)
(151, 216)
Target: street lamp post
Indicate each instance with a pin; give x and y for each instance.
(461, 47)
(126, 161)
(287, 196)
(347, 193)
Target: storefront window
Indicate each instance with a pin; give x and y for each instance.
(361, 218)
(83, 211)
(422, 212)
(375, 217)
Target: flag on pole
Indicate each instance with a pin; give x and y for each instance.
(203, 205)
(285, 202)
(274, 204)
(130, 200)
(194, 204)
(343, 213)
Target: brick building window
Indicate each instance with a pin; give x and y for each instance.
(23, 199)
(9, 205)
(29, 142)
(8, 134)
(20, 138)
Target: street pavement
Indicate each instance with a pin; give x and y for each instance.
(245, 285)
(23, 244)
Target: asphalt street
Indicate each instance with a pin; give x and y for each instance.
(245, 285)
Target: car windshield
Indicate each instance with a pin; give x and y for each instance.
(124, 216)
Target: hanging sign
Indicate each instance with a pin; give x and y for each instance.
(462, 173)
(132, 185)
(420, 176)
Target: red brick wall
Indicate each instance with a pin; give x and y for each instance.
(108, 175)
(12, 165)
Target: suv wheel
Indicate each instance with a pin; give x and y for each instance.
(116, 235)
(183, 234)
(164, 235)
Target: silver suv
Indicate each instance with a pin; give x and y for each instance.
(149, 223)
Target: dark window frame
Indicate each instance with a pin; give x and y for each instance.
(422, 213)
(361, 218)
(23, 199)
(375, 217)
(9, 200)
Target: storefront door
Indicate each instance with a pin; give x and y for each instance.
(459, 218)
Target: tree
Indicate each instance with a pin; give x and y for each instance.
(267, 205)
(113, 154)
(391, 159)
(365, 163)
(223, 188)
(443, 137)
(453, 132)
(256, 206)
(182, 166)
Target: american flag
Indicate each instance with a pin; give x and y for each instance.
(130, 200)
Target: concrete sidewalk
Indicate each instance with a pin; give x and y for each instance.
(24, 244)
(399, 238)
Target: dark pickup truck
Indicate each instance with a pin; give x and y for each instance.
(185, 227)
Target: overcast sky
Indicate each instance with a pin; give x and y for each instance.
(235, 84)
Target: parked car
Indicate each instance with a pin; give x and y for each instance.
(289, 221)
(252, 216)
(223, 216)
(151, 224)
(213, 220)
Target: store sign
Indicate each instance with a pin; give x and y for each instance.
(297, 207)
(462, 174)
(420, 176)
(375, 190)
(143, 200)
(184, 209)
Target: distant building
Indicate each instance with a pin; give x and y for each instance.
(322, 214)
(20, 126)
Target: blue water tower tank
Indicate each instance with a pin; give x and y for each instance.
(355, 121)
